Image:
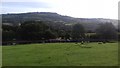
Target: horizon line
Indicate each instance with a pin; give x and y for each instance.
(56, 13)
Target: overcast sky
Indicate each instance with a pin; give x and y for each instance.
(73, 8)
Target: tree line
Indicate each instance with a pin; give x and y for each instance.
(39, 31)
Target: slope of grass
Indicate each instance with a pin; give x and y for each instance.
(0, 56)
(61, 54)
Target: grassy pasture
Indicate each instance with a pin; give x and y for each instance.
(61, 54)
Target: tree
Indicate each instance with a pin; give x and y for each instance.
(119, 26)
(67, 35)
(8, 32)
(32, 30)
(106, 31)
(49, 34)
(78, 32)
(61, 34)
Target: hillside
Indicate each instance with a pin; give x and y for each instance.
(89, 23)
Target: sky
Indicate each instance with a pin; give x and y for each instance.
(74, 8)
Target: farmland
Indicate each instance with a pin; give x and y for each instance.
(61, 54)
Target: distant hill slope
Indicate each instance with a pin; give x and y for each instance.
(90, 23)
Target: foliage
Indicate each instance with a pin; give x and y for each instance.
(106, 31)
(39, 31)
(78, 32)
(33, 30)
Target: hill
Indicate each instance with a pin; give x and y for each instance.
(89, 23)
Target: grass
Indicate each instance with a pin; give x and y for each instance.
(0, 56)
(61, 54)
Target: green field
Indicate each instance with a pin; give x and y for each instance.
(61, 54)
